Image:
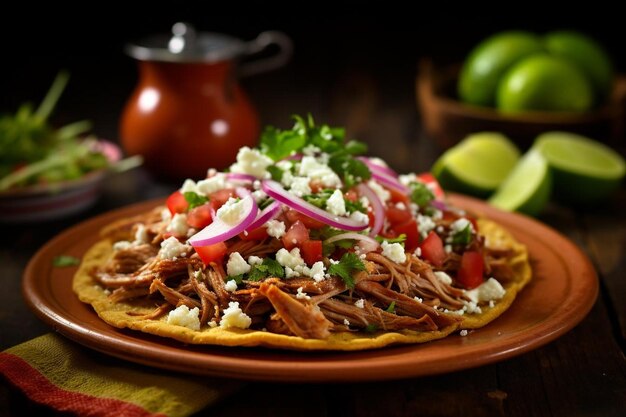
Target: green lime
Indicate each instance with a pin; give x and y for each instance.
(477, 165)
(527, 188)
(584, 171)
(489, 60)
(587, 55)
(544, 82)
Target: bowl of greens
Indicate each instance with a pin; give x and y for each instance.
(49, 172)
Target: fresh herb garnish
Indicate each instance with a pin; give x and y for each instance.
(269, 268)
(350, 170)
(464, 236)
(421, 194)
(349, 263)
(371, 328)
(194, 200)
(65, 260)
(237, 278)
(391, 308)
(275, 172)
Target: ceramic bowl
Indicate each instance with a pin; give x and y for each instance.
(447, 120)
(43, 202)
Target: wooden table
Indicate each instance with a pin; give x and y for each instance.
(583, 373)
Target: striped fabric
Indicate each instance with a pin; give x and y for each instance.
(66, 377)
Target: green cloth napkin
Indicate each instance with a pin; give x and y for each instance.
(67, 377)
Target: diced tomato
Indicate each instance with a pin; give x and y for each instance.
(432, 249)
(294, 216)
(212, 253)
(200, 217)
(311, 251)
(316, 186)
(260, 233)
(398, 216)
(296, 235)
(471, 270)
(176, 203)
(412, 235)
(351, 195)
(218, 198)
(432, 184)
(398, 196)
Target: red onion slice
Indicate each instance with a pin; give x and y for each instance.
(218, 231)
(268, 213)
(390, 182)
(245, 178)
(366, 243)
(373, 166)
(377, 207)
(276, 191)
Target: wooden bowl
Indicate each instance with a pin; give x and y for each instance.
(447, 120)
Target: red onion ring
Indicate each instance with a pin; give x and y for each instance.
(366, 243)
(268, 213)
(373, 166)
(275, 190)
(235, 176)
(390, 182)
(377, 208)
(218, 231)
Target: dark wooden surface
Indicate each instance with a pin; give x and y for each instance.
(583, 373)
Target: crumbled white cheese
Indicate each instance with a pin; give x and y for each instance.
(381, 192)
(234, 317)
(318, 171)
(189, 186)
(448, 248)
(360, 303)
(183, 316)
(166, 216)
(336, 204)
(211, 185)
(290, 259)
(407, 179)
(254, 260)
(141, 234)
(231, 212)
(236, 265)
(276, 228)
(418, 252)
(300, 186)
(426, 224)
(231, 285)
(487, 291)
(171, 248)
(251, 162)
(301, 295)
(394, 252)
(418, 299)
(178, 225)
(287, 178)
(284, 165)
(443, 277)
(310, 150)
(259, 195)
(463, 333)
(460, 224)
(359, 217)
(346, 322)
(400, 205)
(290, 273)
(317, 271)
(471, 307)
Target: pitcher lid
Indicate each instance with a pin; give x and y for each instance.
(187, 45)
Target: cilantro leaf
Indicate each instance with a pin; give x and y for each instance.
(350, 170)
(391, 308)
(238, 278)
(371, 328)
(275, 172)
(349, 263)
(463, 236)
(269, 268)
(278, 144)
(354, 147)
(65, 260)
(194, 199)
(421, 194)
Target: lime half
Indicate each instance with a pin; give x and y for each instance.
(477, 165)
(527, 188)
(584, 171)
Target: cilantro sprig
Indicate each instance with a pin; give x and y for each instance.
(421, 194)
(349, 263)
(269, 268)
(194, 200)
(278, 144)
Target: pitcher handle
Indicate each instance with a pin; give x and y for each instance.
(262, 42)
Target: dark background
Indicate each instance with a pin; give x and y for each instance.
(331, 49)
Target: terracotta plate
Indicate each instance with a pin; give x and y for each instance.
(562, 292)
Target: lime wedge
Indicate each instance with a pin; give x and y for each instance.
(527, 188)
(584, 171)
(477, 165)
